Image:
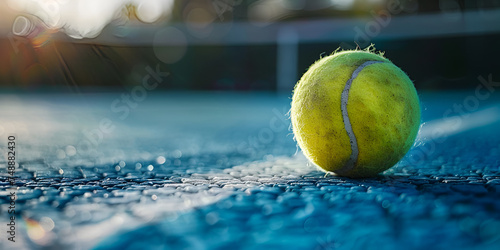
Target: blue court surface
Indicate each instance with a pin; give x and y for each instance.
(222, 171)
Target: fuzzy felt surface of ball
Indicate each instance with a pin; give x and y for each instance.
(355, 113)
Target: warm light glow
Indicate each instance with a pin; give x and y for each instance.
(87, 18)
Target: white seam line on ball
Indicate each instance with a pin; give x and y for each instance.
(347, 123)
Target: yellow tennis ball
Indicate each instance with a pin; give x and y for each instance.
(355, 113)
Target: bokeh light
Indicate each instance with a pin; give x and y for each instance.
(87, 18)
(177, 45)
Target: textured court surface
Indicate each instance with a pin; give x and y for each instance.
(220, 171)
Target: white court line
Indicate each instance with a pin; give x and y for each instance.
(454, 125)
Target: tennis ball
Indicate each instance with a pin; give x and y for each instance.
(355, 113)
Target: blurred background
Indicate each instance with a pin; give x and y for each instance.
(157, 124)
(266, 45)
